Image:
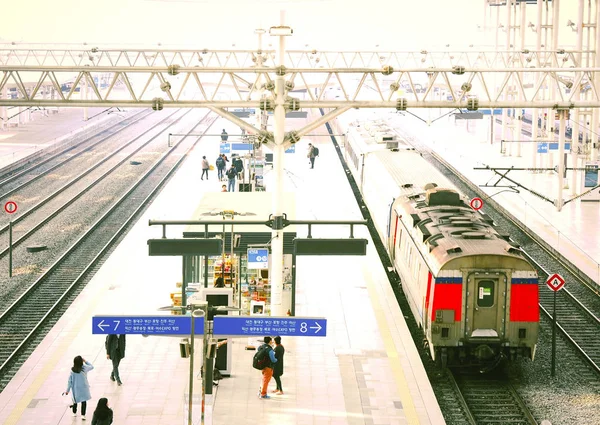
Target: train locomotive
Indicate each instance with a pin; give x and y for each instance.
(469, 286)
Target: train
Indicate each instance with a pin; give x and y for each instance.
(469, 286)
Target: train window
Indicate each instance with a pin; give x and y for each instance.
(485, 293)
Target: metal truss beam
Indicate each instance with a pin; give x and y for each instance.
(136, 57)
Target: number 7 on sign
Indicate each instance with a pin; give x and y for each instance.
(117, 323)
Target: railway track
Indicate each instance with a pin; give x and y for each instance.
(24, 323)
(12, 181)
(39, 214)
(484, 400)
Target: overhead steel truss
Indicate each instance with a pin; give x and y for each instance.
(385, 87)
(98, 56)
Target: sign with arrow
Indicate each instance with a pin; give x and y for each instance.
(146, 325)
(265, 326)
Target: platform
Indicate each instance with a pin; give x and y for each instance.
(366, 371)
(569, 231)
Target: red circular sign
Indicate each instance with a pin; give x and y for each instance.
(476, 203)
(10, 207)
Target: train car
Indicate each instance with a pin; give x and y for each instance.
(469, 287)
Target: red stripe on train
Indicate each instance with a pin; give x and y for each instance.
(447, 296)
(524, 303)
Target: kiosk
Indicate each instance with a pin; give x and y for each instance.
(590, 180)
(217, 297)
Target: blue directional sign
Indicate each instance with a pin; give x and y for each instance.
(554, 146)
(146, 325)
(258, 258)
(542, 148)
(225, 148)
(243, 147)
(264, 326)
(291, 149)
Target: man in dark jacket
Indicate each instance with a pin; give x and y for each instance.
(224, 136)
(115, 351)
(267, 372)
(278, 367)
(238, 163)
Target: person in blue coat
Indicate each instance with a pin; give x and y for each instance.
(79, 384)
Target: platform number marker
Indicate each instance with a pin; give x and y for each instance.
(555, 282)
(476, 203)
(10, 207)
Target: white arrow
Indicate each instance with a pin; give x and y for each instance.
(101, 324)
(318, 327)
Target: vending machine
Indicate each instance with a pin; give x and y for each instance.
(590, 180)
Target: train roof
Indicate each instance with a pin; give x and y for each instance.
(442, 223)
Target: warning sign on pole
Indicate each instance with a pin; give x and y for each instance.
(476, 203)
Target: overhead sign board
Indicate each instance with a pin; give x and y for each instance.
(173, 247)
(264, 326)
(314, 246)
(225, 148)
(258, 258)
(542, 148)
(554, 146)
(555, 282)
(291, 149)
(146, 325)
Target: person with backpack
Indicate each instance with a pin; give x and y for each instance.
(313, 152)
(231, 174)
(263, 360)
(220, 163)
(239, 166)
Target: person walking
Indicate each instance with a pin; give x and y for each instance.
(224, 136)
(79, 385)
(231, 174)
(278, 367)
(103, 415)
(238, 163)
(220, 163)
(267, 371)
(312, 154)
(115, 351)
(205, 168)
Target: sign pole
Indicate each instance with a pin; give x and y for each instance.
(10, 248)
(293, 308)
(191, 387)
(554, 336)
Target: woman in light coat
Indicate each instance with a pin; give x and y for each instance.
(79, 384)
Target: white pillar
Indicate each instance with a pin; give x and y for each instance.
(3, 113)
(594, 130)
(561, 159)
(505, 120)
(278, 177)
(83, 95)
(577, 96)
(520, 122)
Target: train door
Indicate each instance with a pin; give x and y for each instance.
(485, 305)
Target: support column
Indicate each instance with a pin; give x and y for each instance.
(505, 120)
(577, 95)
(520, 112)
(3, 112)
(561, 158)
(595, 112)
(278, 177)
(83, 96)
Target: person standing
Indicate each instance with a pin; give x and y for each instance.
(205, 168)
(115, 351)
(278, 367)
(224, 136)
(311, 155)
(267, 371)
(103, 415)
(79, 385)
(220, 163)
(231, 174)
